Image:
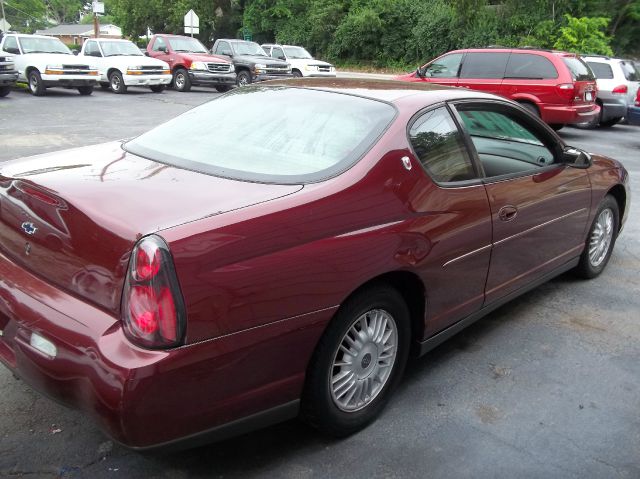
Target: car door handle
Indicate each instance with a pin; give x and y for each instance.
(507, 213)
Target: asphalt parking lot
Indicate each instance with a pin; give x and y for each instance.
(546, 386)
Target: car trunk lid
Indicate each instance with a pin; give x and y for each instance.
(73, 217)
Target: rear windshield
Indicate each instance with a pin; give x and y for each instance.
(631, 73)
(580, 71)
(602, 71)
(269, 134)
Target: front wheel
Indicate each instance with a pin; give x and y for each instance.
(85, 90)
(116, 83)
(243, 78)
(223, 88)
(4, 91)
(36, 86)
(297, 73)
(358, 362)
(600, 240)
(157, 88)
(181, 80)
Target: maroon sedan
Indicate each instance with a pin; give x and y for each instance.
(280, 250)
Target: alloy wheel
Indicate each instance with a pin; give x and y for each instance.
(601, 237)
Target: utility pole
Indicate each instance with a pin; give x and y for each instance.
(96, 25)
(2, 7)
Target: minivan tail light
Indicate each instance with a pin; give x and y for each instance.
(620, 89)
(566, 90)
(638, 97)
(152, 310)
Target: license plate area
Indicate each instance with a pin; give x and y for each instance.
(588, 96)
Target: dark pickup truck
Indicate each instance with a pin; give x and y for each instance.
(251, 62)
(191, 63)
(8, 74)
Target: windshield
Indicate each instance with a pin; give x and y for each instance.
(43, 45)
(292, 136)
(112, 49)
(579, 69)
(296, 53)
(184, 44)
(248, 48)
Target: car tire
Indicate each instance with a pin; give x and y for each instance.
(243, 78)
(609, 123)
(157, 88)
(36, 86)
(4, 91)
(531, 108)
(85, 90)
(600, 240)
(557, 126)
(341, 395)
(223, 88)
(297, 73)
(181, 80)
(116, 83)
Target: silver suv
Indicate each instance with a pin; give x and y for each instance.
(618, 81)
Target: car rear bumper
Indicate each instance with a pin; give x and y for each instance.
(613, 108)
(147, 80)
(144, 398)
(8, 78)
(213, 79)
(564, 114)
(633, 115)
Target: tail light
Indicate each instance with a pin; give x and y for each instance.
(638, 97)
(567, 91)
(152, 309)
(621, 89)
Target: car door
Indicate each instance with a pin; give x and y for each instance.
(443, 70)
(453, 218)
(160, 50)
(483, 71)
(539, 204)
(96, 59)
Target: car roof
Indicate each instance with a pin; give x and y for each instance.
(30, 35)
(514, 49)
(385, 90)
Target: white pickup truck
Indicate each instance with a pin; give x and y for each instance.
(44, 62)
(121, 64)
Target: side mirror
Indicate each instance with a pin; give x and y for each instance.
(75, 52)
(576, 158)
(162, 49)
(420, 72)
(12, 50)
(146, 54)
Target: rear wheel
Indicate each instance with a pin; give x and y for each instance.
(358, 362)
(157, 88)
(4, 90)
(85, 90)
(223, 88)
(557, 126)
(531, 108)
(116, 82)
(610, 123)
(36, 86)
(181, 81)
(600, 240)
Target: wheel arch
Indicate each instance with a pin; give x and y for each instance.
(111, 70)
(620, 195)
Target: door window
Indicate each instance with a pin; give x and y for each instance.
(439, 146)
(530, 66)
(11, 46)
(277, 52)
(505, 143)
(445, 67)
(224, 48)
(159, 45)
(484, 65)
(92, 49)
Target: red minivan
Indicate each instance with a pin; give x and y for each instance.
(556, 86)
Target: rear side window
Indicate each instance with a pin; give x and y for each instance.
(601, 70)
(484, 65)
(580, 71)
(438, 144)
(530, 66)
(630, 71)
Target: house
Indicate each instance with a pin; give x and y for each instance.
(75, 34)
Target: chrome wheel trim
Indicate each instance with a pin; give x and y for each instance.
(601, 237)
(33, 83)
(115, 83)
(363, 360)
(180, 81)
(243, 80)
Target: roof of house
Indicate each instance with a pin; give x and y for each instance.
(71, 29)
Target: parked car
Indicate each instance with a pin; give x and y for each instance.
(121, 64)
(191, 64)
(555, 86)
(43, 62)
(633, 112)
(301, 61)
(8, 74)
(281, 263)
(618, 81)
(251, 61)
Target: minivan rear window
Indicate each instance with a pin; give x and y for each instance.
(601, 70)
(530, 66)
(484, 65)
(580, 71)
(631, 73)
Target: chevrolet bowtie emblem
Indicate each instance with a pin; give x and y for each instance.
(29, 228)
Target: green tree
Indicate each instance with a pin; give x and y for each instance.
(584, 35)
